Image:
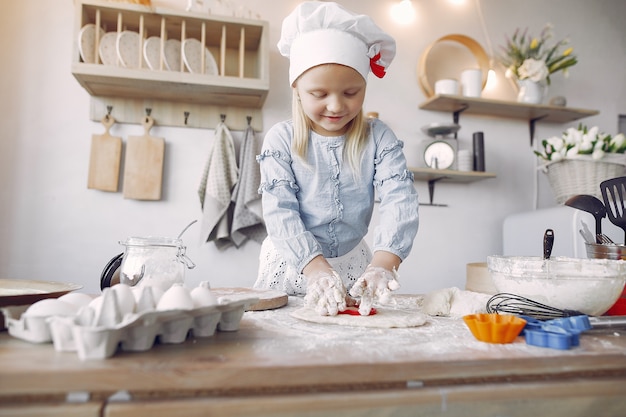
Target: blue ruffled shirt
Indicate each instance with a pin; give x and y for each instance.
(319, 207)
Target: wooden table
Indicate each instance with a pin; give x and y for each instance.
(276, 365)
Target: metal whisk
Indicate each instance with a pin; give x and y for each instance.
(505, 303)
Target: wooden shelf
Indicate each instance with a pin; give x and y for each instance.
(432, 176)
(103, 81)
(239, 47)
(488, 107)
(499, 108)
(449, 175)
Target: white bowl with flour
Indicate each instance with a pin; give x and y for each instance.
(590, 286)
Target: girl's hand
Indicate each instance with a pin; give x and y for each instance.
(375, 284)
(325, 293)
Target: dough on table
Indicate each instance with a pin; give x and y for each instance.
(453, 302)
(384, 318)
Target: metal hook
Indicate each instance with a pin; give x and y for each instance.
(109, 110)
(148, 111)
(186, 116)
(249, 119)
(223, 117)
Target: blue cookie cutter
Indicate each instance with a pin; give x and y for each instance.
(562, 333)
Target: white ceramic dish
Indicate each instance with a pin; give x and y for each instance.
(171, 54)
(87, 43)
(192, 56)
(127, 47)
(108, 49)
(152, 53)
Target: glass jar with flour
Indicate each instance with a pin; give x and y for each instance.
(157, 261)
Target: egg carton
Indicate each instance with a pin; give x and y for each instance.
(30, 322)
(98, 333)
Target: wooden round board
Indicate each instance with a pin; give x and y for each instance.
(16, 292)
(268, 299)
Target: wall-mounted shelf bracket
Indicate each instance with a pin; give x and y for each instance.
(431, 192)
(456, 116)
(432, 176)
(457, 113)
(531, 127)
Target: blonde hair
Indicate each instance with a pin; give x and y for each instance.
(356, 135)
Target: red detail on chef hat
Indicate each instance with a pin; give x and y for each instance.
(377, 69)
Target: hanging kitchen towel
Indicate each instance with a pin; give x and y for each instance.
(247, 216)
(219, 177)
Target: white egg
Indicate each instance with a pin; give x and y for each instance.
(176, 297)
(146, 300)
(125, 298)
(85, 316)
(137, 290)
(202, 295)
(96, 304)
(106, 308)
(51, 307)
(157, 292)
(76, 298)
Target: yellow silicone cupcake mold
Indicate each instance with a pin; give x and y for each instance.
(494, 328)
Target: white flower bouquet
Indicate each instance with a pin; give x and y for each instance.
(528, 57)
(575, 142)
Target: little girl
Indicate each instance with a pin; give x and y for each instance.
(320, 170)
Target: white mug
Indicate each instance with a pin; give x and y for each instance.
(447, 86)
(472, 82)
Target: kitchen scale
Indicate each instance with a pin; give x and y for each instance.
(440, 151)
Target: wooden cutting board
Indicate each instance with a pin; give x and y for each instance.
(143, 165)
(104, 159)
(268, 299)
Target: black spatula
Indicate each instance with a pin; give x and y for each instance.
(613, 194)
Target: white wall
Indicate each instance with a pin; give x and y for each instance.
(54, 228)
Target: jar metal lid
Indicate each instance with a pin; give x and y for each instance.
(153, 241)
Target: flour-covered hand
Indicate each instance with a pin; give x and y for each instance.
(375, 285)
(325, 293)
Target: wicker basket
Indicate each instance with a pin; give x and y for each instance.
(570, 177)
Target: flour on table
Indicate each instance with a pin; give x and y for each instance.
(454, 302)
(384, 318)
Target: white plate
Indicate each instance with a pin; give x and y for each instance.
(87, 42)
(171, 55)
(128, 49)
(192, 55)
(152, 53)
(108, 49)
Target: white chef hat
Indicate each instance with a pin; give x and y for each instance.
(319, 32)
